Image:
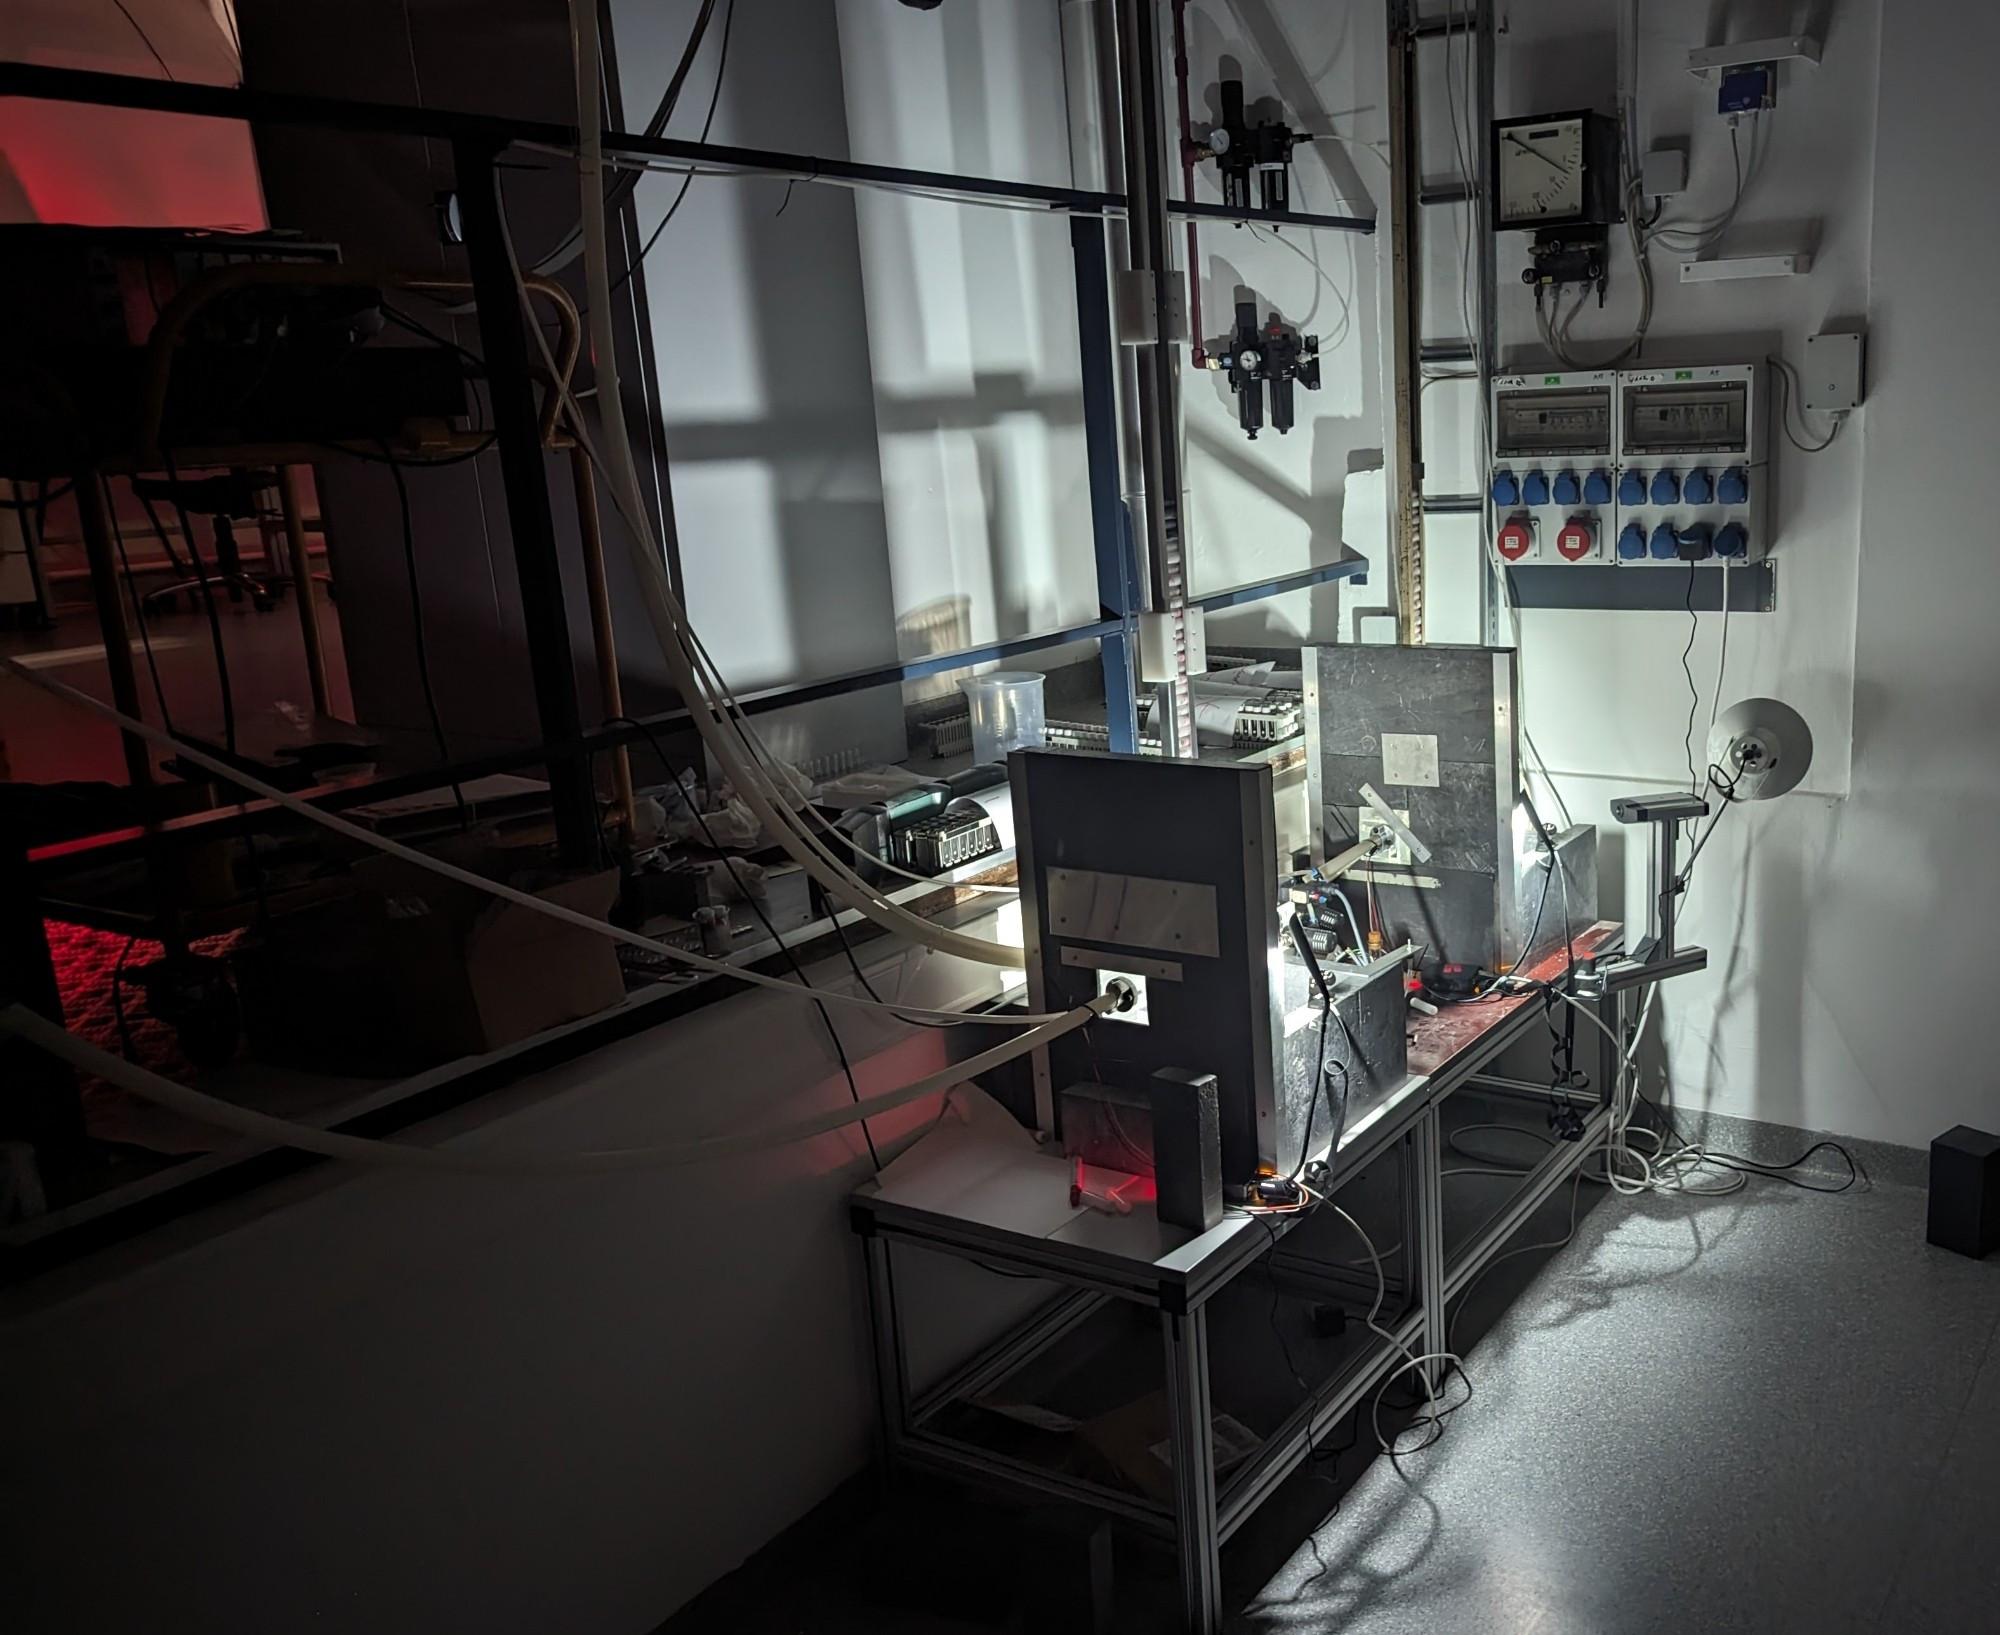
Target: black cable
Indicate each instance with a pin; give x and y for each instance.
(1776, 1172)
(687, 181)
(626, 180)
(1694, 692)
(139, 616)
(145, 38)
(757, 908)
(257, 881)
(166, 540)
(1725, 786)
(867, 987)
(417, 623)
(1749, 1166)
(118, 1002)
(207, 590)
(1318, 1089)
(1433, 1414)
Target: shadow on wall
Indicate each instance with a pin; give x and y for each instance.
(1296, 85)
(943, 626)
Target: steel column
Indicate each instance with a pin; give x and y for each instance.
(503, 344)
(1488, 257)
(1158, 359)
(1406, 527)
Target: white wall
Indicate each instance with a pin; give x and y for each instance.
(1813, 1014)
(384, 1403)
(1905, 868)
(972, 322)
(761, 334)
(1280, 505)
(1606, 699)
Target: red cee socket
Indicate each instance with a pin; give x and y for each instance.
(1517, 539)
(1578, 539)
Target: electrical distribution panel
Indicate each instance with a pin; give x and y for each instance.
(1641, 467)
(1554, 466)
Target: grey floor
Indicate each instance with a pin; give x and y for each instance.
(1774, 1412)
(1770, 1412)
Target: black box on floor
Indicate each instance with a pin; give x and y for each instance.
(1965, 1192)
(1187, 1148)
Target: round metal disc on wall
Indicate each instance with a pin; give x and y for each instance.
(1762, 744)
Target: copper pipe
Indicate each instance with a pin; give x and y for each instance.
(302, 588)
(602, 638)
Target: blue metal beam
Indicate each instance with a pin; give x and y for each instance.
(1348, 567)
(1110, 524)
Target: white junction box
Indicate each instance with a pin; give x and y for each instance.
(1693, 465)
(1832, 374)
(1554, 466)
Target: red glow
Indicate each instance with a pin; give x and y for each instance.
(120, 167)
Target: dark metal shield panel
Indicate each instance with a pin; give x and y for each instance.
(1434, 730)
(1171, 823)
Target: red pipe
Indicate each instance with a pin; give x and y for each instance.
(1200, 355)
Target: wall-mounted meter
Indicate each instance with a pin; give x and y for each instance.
(1638, 467)
(1558, 176)
(1692, 465)
(1554, 466)
(1555, 170)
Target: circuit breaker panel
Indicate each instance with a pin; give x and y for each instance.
(1693, 466)
(1637, 467)
(1554, 466)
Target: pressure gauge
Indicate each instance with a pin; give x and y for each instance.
(1555, 170)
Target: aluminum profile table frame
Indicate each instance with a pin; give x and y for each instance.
(1205, 1511)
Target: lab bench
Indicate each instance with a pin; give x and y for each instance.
(1029, 1414)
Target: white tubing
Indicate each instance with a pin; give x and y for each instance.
(280, 1132)
(478, 882)
(709, 704)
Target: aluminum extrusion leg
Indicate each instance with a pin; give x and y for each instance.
(303, 592)
(1197, 1530)
(1429, 1143)
(892, 1378)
